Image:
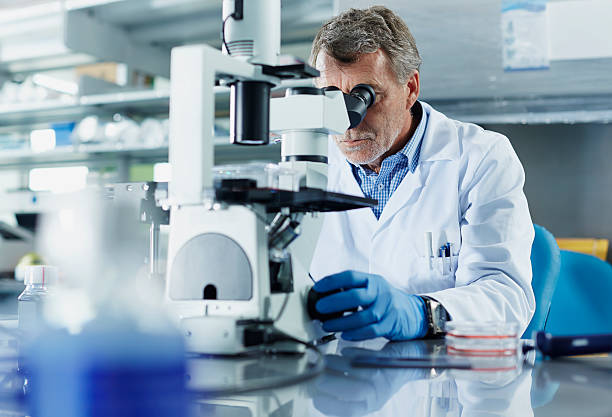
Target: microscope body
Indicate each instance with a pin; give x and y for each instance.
(239, 254)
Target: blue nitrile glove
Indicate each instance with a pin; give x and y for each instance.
(387, 311)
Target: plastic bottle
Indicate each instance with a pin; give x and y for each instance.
(38, 280)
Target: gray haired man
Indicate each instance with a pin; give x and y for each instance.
(451, 235)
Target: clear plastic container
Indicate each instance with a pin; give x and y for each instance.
(482, 339)
(109, 348)
(264, 173)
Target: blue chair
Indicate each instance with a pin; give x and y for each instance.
(581, 303)
(545, 264)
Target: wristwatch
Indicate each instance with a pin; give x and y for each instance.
(436, 316)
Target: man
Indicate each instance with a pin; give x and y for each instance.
(451, 235)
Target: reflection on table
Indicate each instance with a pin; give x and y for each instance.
(345, 390)
(572, 386)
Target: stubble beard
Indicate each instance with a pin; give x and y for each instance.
(371, 147)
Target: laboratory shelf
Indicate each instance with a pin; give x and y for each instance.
(525, 118)
(100, 154)
(142, 102)
(10, 159)
(529, 110)
(135, 102)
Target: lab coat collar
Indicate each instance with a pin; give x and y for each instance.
(440, 142)
(345, 183)
(353, 188)
(405, 194)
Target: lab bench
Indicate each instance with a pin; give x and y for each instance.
(276, 384)
(563, 387)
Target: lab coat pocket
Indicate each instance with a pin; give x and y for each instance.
(446, 266)
(440, 267)
(435, 274)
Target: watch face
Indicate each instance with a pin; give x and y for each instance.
(438, 316)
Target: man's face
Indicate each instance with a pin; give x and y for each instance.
(388, 120)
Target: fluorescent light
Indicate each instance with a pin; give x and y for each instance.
(64, 179)
(56, 84)
(13, 14)
(42, 140)
(162, 172)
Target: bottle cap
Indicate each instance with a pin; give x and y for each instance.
(41, 274)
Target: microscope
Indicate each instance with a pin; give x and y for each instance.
(239, 254)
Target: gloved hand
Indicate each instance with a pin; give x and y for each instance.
(387, 311)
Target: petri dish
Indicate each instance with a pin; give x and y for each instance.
(482, 339)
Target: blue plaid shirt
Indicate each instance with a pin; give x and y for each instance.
(393, 170)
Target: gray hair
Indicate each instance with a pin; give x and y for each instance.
(361, 31)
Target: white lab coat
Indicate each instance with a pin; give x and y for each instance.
(467, 190)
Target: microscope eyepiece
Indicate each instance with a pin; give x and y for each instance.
(357, 102)
(365, 93)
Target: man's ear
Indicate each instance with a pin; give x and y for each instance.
(414, 88)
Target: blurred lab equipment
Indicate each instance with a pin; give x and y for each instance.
(31, 258)
(12, 140)
(29, 91)
(38, 281)
(120, 131)
(545, 266)
(108, 369)
(585, 344)
(88, 130)
(239, 253)
(63, 132)
(106, 347)
(155, 216)
(15, 242)
(152, 132)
